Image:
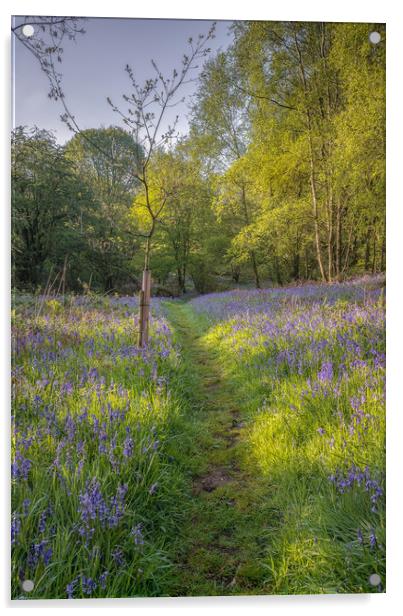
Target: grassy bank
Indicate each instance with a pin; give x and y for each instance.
(97, 482)
(242, 452)
(308, 366)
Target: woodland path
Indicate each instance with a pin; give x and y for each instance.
(223, 546)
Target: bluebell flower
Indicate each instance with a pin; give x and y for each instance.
(70, 588)
(15, 529)
(25, 506)
(37, 551)
(128, 447)
(153, 488)
(118, 557)
(88, 585)
(42, 521)
(372, 539)
(326, 372)
(137, 533)
(102, 579)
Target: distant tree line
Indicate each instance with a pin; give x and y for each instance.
(281, 178)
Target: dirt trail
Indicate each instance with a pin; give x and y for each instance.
(220, 548)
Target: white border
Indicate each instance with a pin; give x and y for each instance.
(309, 10)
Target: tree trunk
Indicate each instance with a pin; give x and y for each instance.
(252, 252)
(315, 213)
(255, 269)
(296, 263)
(181, 279)
(312, 174)
(277, 269)
(373, 269)
(109, 282)
(367, 250)
(338, 240)
(330, 232)
(383, 253)
(235, 273)
(184, 277)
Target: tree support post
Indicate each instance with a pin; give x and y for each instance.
(144, 316)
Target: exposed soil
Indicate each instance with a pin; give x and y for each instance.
(217, 477)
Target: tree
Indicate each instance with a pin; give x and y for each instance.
(282, 175)
(147, 108)
(47, 198)
(187, 215)
(220, 115)
(307, 83)
(113, 186)
(46, 45)
(359, 153)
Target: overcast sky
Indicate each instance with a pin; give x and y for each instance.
(93, 68)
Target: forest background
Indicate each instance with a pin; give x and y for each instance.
(280, 178)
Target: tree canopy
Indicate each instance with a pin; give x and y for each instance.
(281, 177)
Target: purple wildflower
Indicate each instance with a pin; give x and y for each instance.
(118, 557)
(15, 529)
(116, 510)
(372, 539)
(128, 447)
(80, 466)
(43, 518)
(20, 467)
(137, 533)
(102, 580)
(25, 506)
(153, 489)
(88, 585)
(66, 388)
(356, 476)
(103, 437)
(92, 504)
(80, 448)
(93, 373)
(37, 551)
(70, 588)
(47, 556)
(326, 372)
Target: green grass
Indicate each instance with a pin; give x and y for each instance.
(232, 447)
(310, 541)
(65, 435)
(220, 549)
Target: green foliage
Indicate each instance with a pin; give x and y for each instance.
(317, 122)
(306, 371)
(106, 159)
(187, 223)
(49, 206)
(89, 411)
(70, 208)
(281, 178)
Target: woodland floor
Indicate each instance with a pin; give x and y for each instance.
(223, 543)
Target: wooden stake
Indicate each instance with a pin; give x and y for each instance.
(144, 317)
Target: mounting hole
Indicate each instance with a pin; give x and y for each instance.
(28, 585)
(28, 30)
(375, 38)
(374, 579)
